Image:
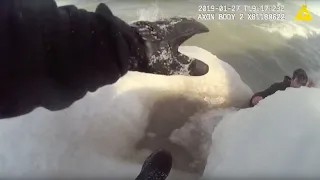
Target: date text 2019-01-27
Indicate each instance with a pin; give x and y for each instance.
(219, 8)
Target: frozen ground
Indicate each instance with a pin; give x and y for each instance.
(99, 135)
(278, 139)
(107, 134)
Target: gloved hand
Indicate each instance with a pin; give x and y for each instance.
(162, 39)
(154, 45)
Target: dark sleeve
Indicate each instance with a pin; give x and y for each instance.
(51, 57)
(269, 91)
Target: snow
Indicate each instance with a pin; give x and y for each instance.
(279, 138)
(196, 135)
(97, 135)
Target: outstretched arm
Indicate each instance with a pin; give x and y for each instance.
(263, 94)
(52, 56)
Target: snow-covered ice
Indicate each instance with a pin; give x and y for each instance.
(97, 135)
(279, 138)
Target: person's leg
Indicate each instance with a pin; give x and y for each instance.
(157, 166)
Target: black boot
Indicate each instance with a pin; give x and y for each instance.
(157, 166)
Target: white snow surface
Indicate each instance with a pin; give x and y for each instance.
(96, 136)
(277, 139)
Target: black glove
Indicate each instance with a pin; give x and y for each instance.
(154, 45)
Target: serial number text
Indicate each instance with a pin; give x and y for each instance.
(263, 16)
